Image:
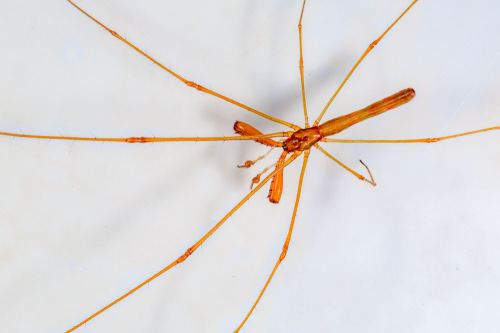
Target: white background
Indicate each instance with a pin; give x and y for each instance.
(82, 223)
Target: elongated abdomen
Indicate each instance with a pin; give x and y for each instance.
(339, 124)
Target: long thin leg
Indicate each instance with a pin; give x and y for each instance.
(151, 139)
(301, 67)
(191, 249)
(346, 167)
(189, 83)
(370, 173)
(287, 241)
(370, 47)
(426, 140)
